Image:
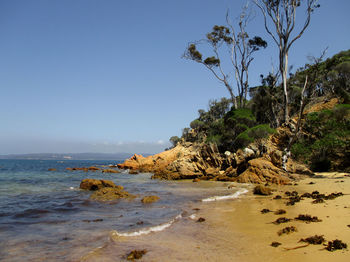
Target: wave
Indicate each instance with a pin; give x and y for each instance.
(148, 230)
(218, 198)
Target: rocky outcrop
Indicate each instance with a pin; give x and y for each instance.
(259, 163)
(104, 190)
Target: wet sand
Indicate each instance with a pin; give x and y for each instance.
(236, 230)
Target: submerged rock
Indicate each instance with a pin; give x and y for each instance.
(110, 193)
(149, 199)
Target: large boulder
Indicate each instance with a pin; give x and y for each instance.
(261, 171)
(110, 194)
(95, 184)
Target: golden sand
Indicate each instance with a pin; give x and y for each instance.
(236, 230)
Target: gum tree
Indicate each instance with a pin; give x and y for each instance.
(241, 49)
(280, 23)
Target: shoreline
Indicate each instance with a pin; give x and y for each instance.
(236, 230)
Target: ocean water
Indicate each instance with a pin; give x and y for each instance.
(44, 216)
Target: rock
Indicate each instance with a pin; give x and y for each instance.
(248, 153)
(52, 169)
(262, 190)
(196, 180)
(261, 171)
(136, 254)
(133, 172)
(276, 158)
(149, 199)
(110, 171)
(93, 168)
(110, 193)
(95, 184)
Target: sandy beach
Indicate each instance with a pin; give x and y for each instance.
(236, 230)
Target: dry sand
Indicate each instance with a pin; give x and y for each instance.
(235, 230)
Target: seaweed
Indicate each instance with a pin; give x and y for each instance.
(336, 244)
(265, 210)
(318, 201)
(287, 230)
(281, 220)
(277, 197)
(200, 220)
(136, 254)
(293, 200)
(308, 218)
(275, 244)
(314, 240)
(280, 212)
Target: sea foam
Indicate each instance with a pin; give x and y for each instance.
(146, 231)
(232, 196)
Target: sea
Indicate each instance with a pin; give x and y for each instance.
(45, 216)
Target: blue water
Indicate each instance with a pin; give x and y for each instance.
(44, 216)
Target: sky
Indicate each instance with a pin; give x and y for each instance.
(107, 76)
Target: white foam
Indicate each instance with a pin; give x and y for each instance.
(218, 198)
(71, 188)
(147, 231)
(192, 216)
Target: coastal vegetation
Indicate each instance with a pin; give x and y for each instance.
(318, 138)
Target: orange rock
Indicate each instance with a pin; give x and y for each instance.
(110, 171)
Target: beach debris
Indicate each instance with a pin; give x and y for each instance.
(196, 209)
(275, 244)
(336, 244)
(277, 197)
(149, 199)
(200, 220)
(287, 230)
(140, 223)
(308, 218)
(136, 254)
(293, 248)
(349, 226)
(133, 172)
(280, 212)
(196, 180)
(281, 220)
(52, 169)
(312, 183)
(314, 240)
(292, 200)
(265, 210)
(293, 193)
(318, 201)
(262, 190)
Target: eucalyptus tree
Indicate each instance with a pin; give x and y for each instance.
(280, 22)
(240, 48)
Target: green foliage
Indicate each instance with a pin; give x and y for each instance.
(329, 142)
(252, 134)
(174, 140)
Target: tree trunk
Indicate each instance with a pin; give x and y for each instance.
(285, 90)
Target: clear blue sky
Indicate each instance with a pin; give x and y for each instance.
(107, 75)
